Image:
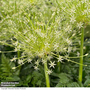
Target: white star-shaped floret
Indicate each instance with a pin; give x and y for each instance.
(68, 41)
(60, 58)
(78, 54)
(47, 45)
(72, 11)
(29, 60)
(36, 67)
(20, 62)
(43, 61)
(56, 46)
(72, 19)
(49, 72)
(80, 25)
(52, 64)
(37, 62)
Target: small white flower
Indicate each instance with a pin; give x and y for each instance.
(13, 67)
(69, 49)
(72, 11)
(57, 33)
(20, 62)
(43, 61)
(37, 62)
(64, 49)
(36, 68)
(16, 49)
(53, 14)
(73, 34)
(40, 54)
(80, 25)
(74, 49)
(86, 54)
(68, 41)
(49, 57)
(63, 8)
(68, 28)
(52, 64)
(84, 47)
(49, 72)
(78, 54)
(47, 45)
(56, 45)
(60, 58)
(29, 60)
(16, 43)
(72, 19)
(13, 59)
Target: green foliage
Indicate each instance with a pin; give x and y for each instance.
(87, 31)
(73, 84)
(64, 80)
(31, 77)
(7, 74)
(87, 83)
(37, 78)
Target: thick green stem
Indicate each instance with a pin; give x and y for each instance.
(46, 75)
(81, 54)
(58, 67)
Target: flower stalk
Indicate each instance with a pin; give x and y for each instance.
(46, 75)
(18, 55)
(81, 54)
(58, 67)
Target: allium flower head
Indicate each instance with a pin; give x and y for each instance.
(38, 31)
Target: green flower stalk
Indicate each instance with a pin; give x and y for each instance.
(58, 67)
(81, 55)
(46, 74)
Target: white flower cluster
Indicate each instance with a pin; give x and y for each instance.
(77, 11)
(37, 30)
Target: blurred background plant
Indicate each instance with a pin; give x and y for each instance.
(78, 12)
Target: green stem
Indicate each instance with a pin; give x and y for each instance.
(18, 55)
(81, 54)
(58, 67)
(15, 7)
(46, 74)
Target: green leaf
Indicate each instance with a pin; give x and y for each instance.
(73, 84)
(17, 72)
(87, 83)
(16, 78)
(28, 79)
(6, 67)
(7, 72)
(39, 82)
(9, 79)
(61, 84)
